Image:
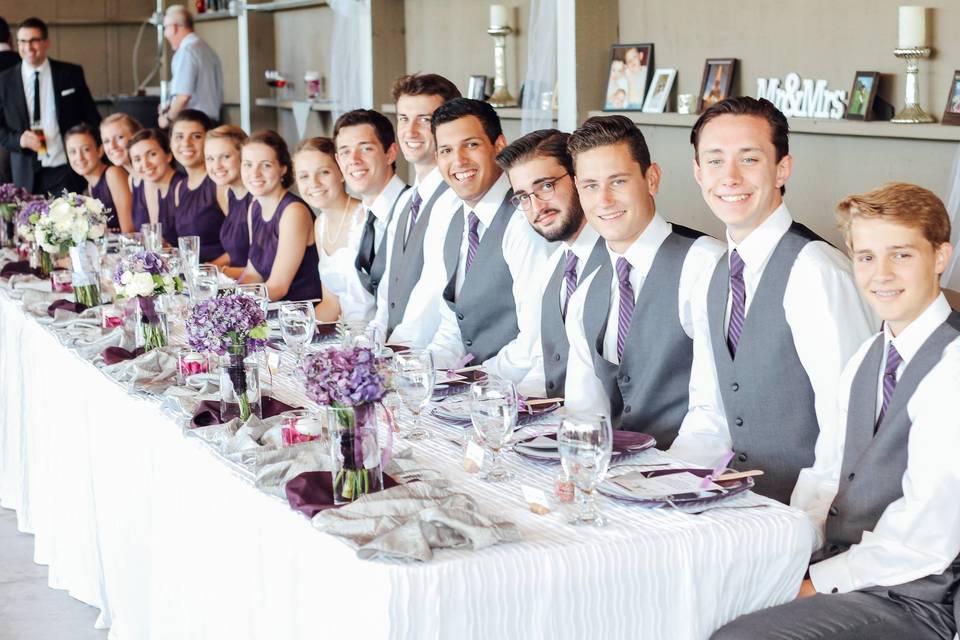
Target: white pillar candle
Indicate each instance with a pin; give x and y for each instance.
(913, 27)
(499, 15)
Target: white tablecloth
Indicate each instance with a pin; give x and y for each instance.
(169, 542)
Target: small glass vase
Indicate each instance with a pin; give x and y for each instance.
(355, 452)
(239, 386)
(85, 261)
(47, 263)
(8, 234)
(151, 324)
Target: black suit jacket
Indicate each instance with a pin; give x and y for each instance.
(8, 59)
(74, 105)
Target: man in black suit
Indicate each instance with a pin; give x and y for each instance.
(8, 58)
(40, 99)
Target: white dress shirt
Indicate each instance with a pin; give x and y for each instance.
(828, 321)
(918, 534)
(356, 303)
(427, 188)
(55, 155)
(526, 254)
(584, 391)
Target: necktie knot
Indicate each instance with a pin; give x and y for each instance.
(736, 265)
(570, 263)
(414, 212)
(473, 239)
(623, 270)
(738, 302)
(893, 361)
(474, 222)
(889, 381)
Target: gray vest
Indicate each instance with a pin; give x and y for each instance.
(553, 331)
(485, 309)
(767, 396)
(406, 264)
(649, 390)
(371, 281)
(873, 465)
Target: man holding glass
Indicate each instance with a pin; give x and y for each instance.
(39, 99)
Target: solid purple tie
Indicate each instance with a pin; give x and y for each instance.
(570, 278)
(889, 381)
(414, 212)
(738, 302)
(473, 239)
(626, 304)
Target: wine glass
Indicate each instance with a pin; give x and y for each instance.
(204, 283)
(152, 233)
(493, 412)
(257, 291)
(189, 252)
(413, 379)
(356, 333)
(298, 321)
(586, 442)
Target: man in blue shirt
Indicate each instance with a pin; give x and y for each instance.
(197, 78)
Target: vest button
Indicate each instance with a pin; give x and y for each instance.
(625, 379)
(469, 343)
(833, 511)
(374, 283)
(627, 409)
(742, 457)
(550, 385)
(556, 357)
(851, 476)
(835, 590)
(738, 422)
(834, 548)
(393, 305)
(459, 316)
(735, 386)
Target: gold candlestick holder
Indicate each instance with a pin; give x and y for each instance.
(501, 95)
(912, 112)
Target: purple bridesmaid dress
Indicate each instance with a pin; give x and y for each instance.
(198, 214)
(101, 191)
(263, 251)
(140, 213)
(234, 234)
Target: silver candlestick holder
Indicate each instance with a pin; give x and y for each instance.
(912, 112)
(501, 95)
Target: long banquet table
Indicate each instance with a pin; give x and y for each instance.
(151, 526)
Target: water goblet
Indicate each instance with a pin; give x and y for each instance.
(493, 412)
(152, 233)
(586, 443)
(189, 251)
(257, 291)
(413, 379)
(298, 321)
(204, 283)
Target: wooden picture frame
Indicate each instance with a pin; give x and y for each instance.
(628, 77)
(863, 94)
(661, 86)
(477, 87)
(717, 81)
(951, 113)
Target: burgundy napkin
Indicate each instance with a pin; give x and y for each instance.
(312, 492)
(208, 413)
(623, 441)
(76, 307)
(21, 267)
(113, 355)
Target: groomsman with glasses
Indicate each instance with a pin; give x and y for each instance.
(487, 315)
(415, 236)
(630, 323)
(782, 316)
(882, 491)
(541, 173)
(367, 152)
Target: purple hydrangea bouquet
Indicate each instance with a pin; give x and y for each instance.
(142, 277)
(10, 197)
(350, 382)
(232, 326)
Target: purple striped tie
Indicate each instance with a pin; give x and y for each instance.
(414, 212)
(570, 278)
(889, 381)
(738, 302)
(626, 304)
(473, 239)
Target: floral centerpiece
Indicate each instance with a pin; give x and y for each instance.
(142, 277)
(350, 382)
(10, 197)
(69, 222)
(232, 326)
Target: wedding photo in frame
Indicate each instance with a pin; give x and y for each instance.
(717, 81)
(951, 114)
(630, 71)
(477, 87)
(659, 94)
(862, 95)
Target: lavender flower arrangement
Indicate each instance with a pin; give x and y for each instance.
(144, 274)
(343, 377)
(10, 196)
(29, 213)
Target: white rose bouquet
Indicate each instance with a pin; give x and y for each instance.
(144, 276)
(71, 220)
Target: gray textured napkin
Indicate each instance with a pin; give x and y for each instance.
(157, 366)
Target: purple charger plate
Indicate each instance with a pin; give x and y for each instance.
(625, 443)
(693, 499)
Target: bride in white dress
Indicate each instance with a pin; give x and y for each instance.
(338, 227)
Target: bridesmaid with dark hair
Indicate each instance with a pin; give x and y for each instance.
(191, 207)
(221, 151)
(108, 184)
(283, 254)
(150, 157)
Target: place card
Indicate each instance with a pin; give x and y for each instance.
(473, 459)
(536, 498)
(637, 483)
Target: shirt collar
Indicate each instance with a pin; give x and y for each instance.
(383, 205)
(583, 245)
(27, 71)
(916, 333)
(429, 185)
(188, 39)
(757, 247)
(490, 203)
(641, 253)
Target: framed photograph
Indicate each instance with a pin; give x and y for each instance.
(477, 88)
(660, 88)
(862, 95)
(630, 66)
(717, 81)
(951, 115)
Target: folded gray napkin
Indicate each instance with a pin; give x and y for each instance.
(155, 367)
(409, 521)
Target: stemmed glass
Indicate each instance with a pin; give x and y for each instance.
(493, 412)
(257, 291)
(152, 233)
(356, 333)
(586, 443)
(189, 252)
(204, 283)
(298, 321)
(413, 379)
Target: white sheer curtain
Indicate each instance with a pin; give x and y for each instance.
(951, 278)
(349, 56)
(541, 66)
